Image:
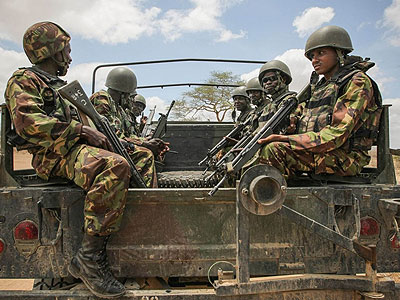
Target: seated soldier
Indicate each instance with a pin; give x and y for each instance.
(259, 99)
(121, 83)
(241, 102)
(275, 78)
(136, 107)
(340, 121)
(63, 147)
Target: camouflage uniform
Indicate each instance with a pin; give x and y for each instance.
(132, 120)
(142, 157)
(271, 108)
(44, 120)
(336, 130)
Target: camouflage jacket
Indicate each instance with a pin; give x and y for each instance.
(243, 116)
(334, 116)
(132, 120)
(41, 117)
(271, 108)
(116, 115)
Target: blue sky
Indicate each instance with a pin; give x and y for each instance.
(106, 31)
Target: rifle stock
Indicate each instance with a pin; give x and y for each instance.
(251, 147)
(75, 94)
(161, 128)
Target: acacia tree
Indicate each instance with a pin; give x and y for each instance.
(211, 99)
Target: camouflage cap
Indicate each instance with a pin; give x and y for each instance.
(44, 39)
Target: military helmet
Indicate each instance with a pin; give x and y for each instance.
(43, 40)
(240, 91)
(253, 85)
(329, 36)
(275, 65)
(121, 79)
(140, 99)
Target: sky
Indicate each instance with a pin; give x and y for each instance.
(105, 32)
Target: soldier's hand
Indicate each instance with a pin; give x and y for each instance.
(143, 120)
(292, 125)
(157, 146)
(95, 138)
(273, 138)
(127, 145)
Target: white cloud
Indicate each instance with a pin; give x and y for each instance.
(161, 105)
(203, 17)
(10, 61)
(381, 79)
(391, 20)
(311, 19)
(115, 22)
(394, 121)
(299, 66)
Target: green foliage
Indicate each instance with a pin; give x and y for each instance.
(209, 100)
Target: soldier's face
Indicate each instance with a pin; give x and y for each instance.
(255, 96)
(137, 109)
(270, 82)
(324, 61)
(240, 102)
(63, 59)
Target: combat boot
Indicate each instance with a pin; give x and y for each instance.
(90, 264)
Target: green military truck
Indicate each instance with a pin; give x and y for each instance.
(316, 237)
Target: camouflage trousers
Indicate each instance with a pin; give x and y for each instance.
(105, 177)
(143, 159)
(289, 161)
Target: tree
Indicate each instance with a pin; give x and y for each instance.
(214, 100)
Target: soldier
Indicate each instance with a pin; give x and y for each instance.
(134, 109)
(64, 147)
(241, 101)
(340, 121)
(258, 98)
(275, 78)
(121, 83)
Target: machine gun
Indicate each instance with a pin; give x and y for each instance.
(161, 128)
(250, 143)
(232, 135)
(146, 129)
(75, 94)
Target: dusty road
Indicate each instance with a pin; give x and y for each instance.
(16, 284)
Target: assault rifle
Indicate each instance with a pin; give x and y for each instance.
(75, 94)
(161, 128)
(250, 144)
(232, 135)
(146, 128)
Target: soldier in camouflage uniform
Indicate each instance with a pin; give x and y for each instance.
(275, 78)
(241, 102)
(340, 121)
(121, 83)
(259, 99)
(64, 147)
(134, 108)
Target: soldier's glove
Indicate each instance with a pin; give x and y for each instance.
(95, 138)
